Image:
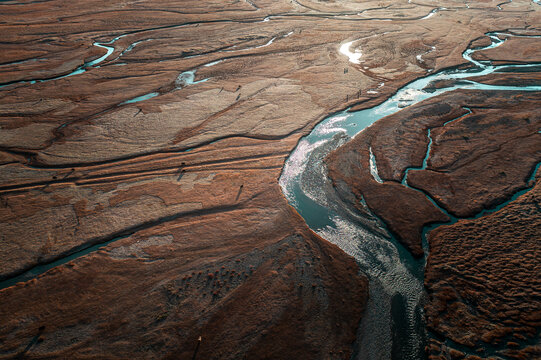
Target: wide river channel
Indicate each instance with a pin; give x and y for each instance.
(393, 323)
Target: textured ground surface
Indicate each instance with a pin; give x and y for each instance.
(198, 242)
(484, 284)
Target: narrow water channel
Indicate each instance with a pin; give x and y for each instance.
(393, 325)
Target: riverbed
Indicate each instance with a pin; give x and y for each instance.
(392, 326)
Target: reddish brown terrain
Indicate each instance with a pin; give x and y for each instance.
(483, 158)
(497, 142)
(160, 219)
(484, 284)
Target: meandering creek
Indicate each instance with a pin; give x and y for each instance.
(392, 326)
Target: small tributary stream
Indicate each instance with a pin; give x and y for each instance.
(393, 323)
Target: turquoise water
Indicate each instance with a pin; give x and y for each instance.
(79, 70)
(392, 271)
(184, 79)
(140, 98)
(189, 76)
(40, 269)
